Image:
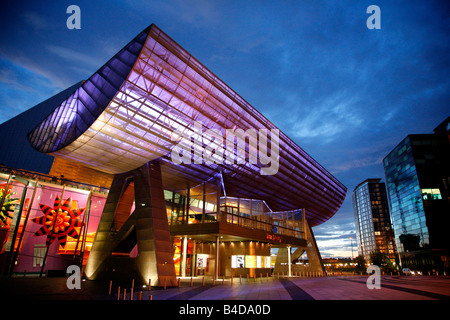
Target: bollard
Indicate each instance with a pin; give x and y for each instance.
(151, 297)
(110, 287)
(191, 281)
(240, 279)
(118, 293)
(124, 294)
(203, 283)
(231, 279)
(164, 283)
(214, 282)
(179, 282)
(149, 284)
(140, 295)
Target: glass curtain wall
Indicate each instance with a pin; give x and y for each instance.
(32, 240)
(407, 210)
(199, 205)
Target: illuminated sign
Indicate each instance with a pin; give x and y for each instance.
(237, 261)
(202, 261)
(273, 237)
(249, 261)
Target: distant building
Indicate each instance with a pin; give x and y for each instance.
(418, 178)
(372, 220)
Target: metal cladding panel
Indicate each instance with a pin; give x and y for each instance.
(80, 110)
(161, 100)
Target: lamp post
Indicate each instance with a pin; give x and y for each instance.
(351, 241)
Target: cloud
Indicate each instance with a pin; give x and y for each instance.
(333, 237)
(199, 12)
(18, 61)
(76, 58)
(326, 118)
(35, 20)
(360, 162)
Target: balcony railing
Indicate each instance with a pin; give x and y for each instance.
(246, 213)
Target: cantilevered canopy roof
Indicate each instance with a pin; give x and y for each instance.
(140, 104)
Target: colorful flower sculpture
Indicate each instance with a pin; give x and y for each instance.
(59, 222)
(8, 206)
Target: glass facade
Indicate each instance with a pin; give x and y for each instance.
(417, 174)
(25, 233)
(408, 214)
(372, 219)
(184, 209)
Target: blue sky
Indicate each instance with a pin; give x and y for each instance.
(346, 94)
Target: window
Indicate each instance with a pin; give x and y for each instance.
(431, 194)
(38, 254)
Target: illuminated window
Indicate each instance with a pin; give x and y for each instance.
(38, 256)
(431, 194)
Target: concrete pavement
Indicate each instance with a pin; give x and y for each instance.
(284, 288)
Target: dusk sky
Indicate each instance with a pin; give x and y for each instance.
(344, 93)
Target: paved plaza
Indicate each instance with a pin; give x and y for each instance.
(271, 288)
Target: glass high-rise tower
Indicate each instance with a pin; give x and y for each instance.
(372, 220)
(418, 178)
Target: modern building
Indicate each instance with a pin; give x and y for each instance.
(418, 179)
(372, 219)
(198, 181)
